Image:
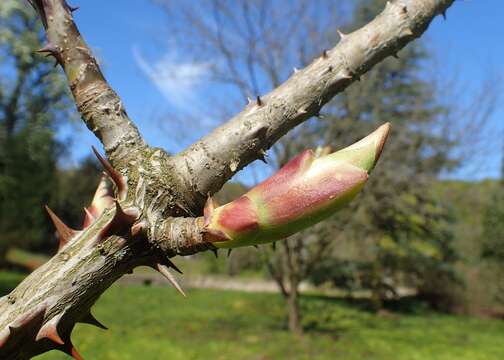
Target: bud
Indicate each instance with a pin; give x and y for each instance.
(308, 189)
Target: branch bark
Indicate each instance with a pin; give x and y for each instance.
(153, 190)
(209, 163)
(100, 107)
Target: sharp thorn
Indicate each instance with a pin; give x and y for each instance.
(296, 70)
(49, 49)
(129, 215)
(257, 247)
(229, 252)
(116, 177)
(259, 102)
(273, 245)
(72, 351)
(50, 331)
(341, 34)
(250, 101)
(443, 13)
(166, 273)
(215, 253)
(65, 233)
(88, 218)
(91, 320)
(173, 266)
(324, 54)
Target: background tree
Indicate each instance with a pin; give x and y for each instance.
(33, 100)
(493, 233)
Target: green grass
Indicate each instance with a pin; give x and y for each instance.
(157, 323)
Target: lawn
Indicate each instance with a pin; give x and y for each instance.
(157, 323)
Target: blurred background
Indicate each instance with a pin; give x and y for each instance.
(412, 269)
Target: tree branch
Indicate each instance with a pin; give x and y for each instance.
(210, 162)
(100, 107)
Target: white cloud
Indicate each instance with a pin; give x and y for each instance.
(178, 81)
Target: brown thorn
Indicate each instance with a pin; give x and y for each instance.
(50, 331)
(216, 253)
(259, 102)
(324, 54)
(69, 349)
(4, 336)
(65, 233)
(138, 228)
(166, 273)
(49, 49)
(129, 215)
(173, 266)
(229, 252)
(91, 320)
(116, 177)
(88, 218)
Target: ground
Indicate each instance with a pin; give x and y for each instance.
(148, 322)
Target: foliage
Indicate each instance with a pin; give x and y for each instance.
(397, 232)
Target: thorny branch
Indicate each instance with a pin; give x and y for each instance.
(140, 220)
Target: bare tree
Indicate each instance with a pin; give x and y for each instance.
(154, 214)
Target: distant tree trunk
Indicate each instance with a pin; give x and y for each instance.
(293, 309)
(291, 269)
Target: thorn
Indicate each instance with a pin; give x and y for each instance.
(345, 74)
(443, 13)
(166, 273)
(395, 55)
(302, 111)
(129, 215)
(116, 177)
(138, 228)
(257, 247)
(209, 208)
(91, 320)
(273, 245)
(296, 70)
(215, 253)
(249, 100)
(71, 8)
(262, 156)
(88, 219)
(341, 34)
(173, 266)
(65, 233)
(50, 331)
(324, 54)
(71, 350)
(408, 32)
(229, 252)
(49, 49)
(259, 102)
(4, 336)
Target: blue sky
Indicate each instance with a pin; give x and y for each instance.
(124, 34)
